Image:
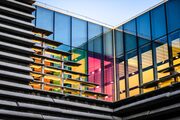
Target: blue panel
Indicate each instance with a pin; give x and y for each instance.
(130, 35)
(79, 33)
(95, 38)
(158, 22)
(108, 46)
(130, 27)
(44, 19)
(143, 26)
(62, 31)
(173, 15)
(130, 42)
(119, 43)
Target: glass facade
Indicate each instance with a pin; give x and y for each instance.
(135, 58)
(91, 45)
(151, 58)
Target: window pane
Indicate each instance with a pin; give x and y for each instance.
(122, 89)
(173, 15)
(44, 19)
(143, 28)
(175, 44)
(120, 75)
(129, 35)
(130, 27)
(95, 38)
(130, 42)
(79, 33)
(162, 60)
(95, 54)
(79, 56)
(158, 22)
(108, 63)
(62, 28)
(119, 43)
(147, 65)
(108, 50)
(133, 73)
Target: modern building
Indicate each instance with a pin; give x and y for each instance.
(56, 65)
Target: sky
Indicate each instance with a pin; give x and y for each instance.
(112, 12)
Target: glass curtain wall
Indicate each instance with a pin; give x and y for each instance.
(90, 44)
(145, 48)
(151, 44)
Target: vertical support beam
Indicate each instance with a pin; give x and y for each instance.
(126, 67)
(102, 61)
(154, 60)
(35, 15)
(62, 75)
(116, 81)
(139, 61)
(42, 61)
(71, 31)
(80, 87)
(54, 25)
(87, 65)
(155, 76)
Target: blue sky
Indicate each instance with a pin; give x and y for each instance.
(112, 12)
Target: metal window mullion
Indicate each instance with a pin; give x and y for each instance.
(155, 76)
(116, 81)
(86, 50)
(102, 60)
(54, 25)
(139, 61)
(126, 67)
(71, 31)
(35, 23)
(62, 73)
(42, 68)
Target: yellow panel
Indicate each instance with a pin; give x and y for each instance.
(166, 83)
(51, 61)
(122, 85)
(160, 75)
(35, 66)
(134, 92)
(51, 53)
(149, 89)
(71, 82)
(148, 76)
(122, 96)
(133, 81)
(51, 69)
(52, 77)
